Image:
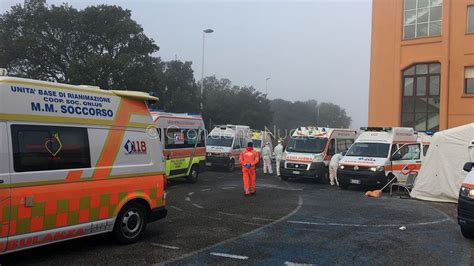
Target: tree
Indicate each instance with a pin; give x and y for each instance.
(289, 115)
(100, 45)
(227, 104)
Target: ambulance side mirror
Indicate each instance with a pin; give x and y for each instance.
(468, 167)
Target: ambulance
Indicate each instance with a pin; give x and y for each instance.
(310, 149)
(379, 154)
(260, 138)
(466, 203)
(182, 139)
(76, 161)
(224, 144)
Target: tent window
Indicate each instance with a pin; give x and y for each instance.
(420, 96)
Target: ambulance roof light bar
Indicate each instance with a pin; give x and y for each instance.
(377, 129)
(428, 132)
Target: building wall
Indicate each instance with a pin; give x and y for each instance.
(390, 55)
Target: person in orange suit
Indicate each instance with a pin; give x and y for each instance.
(248, 160)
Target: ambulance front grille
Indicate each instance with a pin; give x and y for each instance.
(297, 166)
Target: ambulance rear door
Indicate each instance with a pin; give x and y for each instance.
(5, 200)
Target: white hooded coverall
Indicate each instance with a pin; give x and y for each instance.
(267, 161)
(333, 164)
(278, 151)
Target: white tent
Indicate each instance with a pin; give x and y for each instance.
(442, 173)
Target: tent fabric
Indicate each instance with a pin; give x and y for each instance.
(442, 174)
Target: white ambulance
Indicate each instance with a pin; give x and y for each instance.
(76, 161)
(310, 149)
(224, 144)
(379, 154)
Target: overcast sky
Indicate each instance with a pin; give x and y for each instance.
(310, 49)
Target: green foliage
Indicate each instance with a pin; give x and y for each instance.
(100, 45)
(289, 115)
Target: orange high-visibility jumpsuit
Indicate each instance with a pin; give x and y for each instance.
(249, 156)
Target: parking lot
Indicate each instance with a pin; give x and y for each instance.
(298, 221)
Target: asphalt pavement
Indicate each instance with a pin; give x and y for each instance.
(285, 223)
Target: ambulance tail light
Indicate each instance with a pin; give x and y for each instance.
(165, 182)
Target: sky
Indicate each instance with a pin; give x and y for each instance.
(316, 49)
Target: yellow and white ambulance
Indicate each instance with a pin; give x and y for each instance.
(379, 154)
(182, 138)
(310, 149)
(76, 161)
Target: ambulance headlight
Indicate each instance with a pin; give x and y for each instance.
(341, 166)
(377, 169)
(466, 192)
(318, 158)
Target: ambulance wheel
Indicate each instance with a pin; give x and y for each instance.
(130, 224)
(231, 166)
(467, 232)
(193, 174)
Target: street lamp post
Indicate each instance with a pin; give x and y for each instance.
(202, 68)
(266, 85)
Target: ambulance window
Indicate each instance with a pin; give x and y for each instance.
(410, 152)
(176, 138)
(202, 139)
(41, 148)
(332, 147)
(344, 144)
(425, 149)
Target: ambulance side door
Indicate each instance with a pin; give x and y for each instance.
(406, 160)
(5, 193)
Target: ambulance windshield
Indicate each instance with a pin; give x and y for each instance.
(257, 143)
(219, 141)
(374, 150)
(307, 145)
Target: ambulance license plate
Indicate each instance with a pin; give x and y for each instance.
(296, 172)
(208, 164)
(355, 181)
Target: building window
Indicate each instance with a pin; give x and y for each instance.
(469, 80)
(420, 98)
(470, 19)
(422, 18)
(41, 148)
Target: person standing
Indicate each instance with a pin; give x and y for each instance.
(333, 164)
(278, 151)
(267, 159)
(248, 160)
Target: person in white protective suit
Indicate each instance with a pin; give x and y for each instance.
(278, 151)
(333, 164)
(267, 160)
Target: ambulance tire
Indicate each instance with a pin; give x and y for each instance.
(467, 232)
(231, 166)
(131, 223)
(193, 174)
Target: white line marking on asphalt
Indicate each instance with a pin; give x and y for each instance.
(190, 193)
(253, 224)
(188, 199)
(206, 189)
(164, 246)
(256, 230)
(289, 263)
(227, 187)
(278, 187)
(225, 255)
(370, 225)
(176, 208)
(226, 213)
(198, 206)
(262, 219)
